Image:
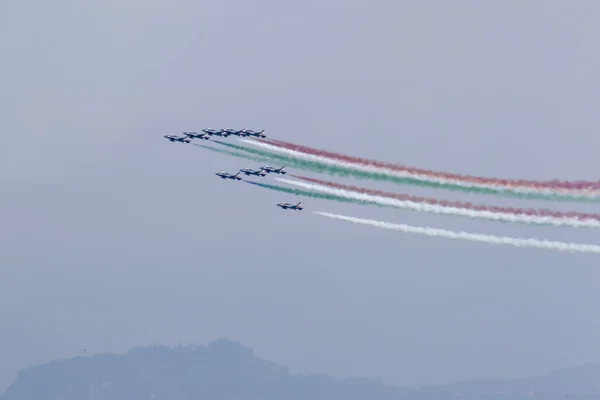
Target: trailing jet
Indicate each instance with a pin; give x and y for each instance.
(250, 132)
(249, 171)
(174, 138)
(195, 135)
(268, 169)
(230, 131)
(289, 206)
(212, 132)
(225, 175)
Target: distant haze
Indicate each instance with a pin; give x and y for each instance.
(112, 237)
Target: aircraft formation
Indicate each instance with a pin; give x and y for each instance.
(263, 171)
(254, 145)
(207, 133)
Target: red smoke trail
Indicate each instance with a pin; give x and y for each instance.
(456, 204)
(555, 184)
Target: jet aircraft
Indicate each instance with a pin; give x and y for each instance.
(268, 169)
(250, 132)
(212, 132)
(249, 171)
(174, 138)
(195, 135)
(225, 175)
(288, 206)
(230, 131)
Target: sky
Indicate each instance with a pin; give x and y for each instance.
(112, 237)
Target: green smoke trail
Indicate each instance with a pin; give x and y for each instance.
(319, 167)
(306, 193)
(234, 153)
(341, 199)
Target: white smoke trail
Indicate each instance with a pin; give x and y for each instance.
(440, 209)
(405, 174)
(473, 237)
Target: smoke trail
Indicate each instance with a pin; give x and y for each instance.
(439, 181)
(336, 170)
(333, 167)
(554, 184)
(423, 177)
(306, 193)
(289, 161)
(439, 209)
(233, 153)
(575, 216)
(473, 237)
(262, 156)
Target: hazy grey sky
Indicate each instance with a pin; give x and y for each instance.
(112, 237)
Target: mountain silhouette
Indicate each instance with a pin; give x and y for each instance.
(227, 370)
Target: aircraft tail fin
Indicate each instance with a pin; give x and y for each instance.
(299, 204)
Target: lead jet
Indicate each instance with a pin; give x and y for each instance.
(225, 175)
(249, 171)
(268, 169)
(195, 135)
(288, 206)
(250, 132)
(174, 138)
(212, 132)
(230, 131)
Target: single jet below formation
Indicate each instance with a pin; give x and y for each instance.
(268, 169)
(174, 138)
(225, 175)
(249, 171)
(288, 206)
(250, 132)
(212, 132)
(195, 135)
